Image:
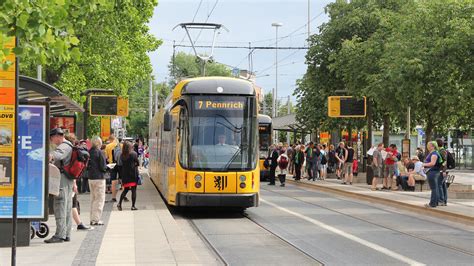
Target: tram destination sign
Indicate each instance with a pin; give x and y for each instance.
(108, 105)
(219, 105)
(347, 106)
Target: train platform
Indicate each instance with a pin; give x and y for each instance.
(149, 236)
(458, 210)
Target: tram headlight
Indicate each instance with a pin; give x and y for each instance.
(197, 184)
(242, 185)
(197, 178)
(243, 178)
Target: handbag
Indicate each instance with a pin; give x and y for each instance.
(140, 180)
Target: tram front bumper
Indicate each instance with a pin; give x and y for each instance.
(220, 200)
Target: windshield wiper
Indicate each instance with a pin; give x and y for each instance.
(234, 156)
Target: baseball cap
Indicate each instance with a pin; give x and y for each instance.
(56, 131)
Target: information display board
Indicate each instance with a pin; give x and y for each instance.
(66, 122)
(7, 122)
(104, 105)
(32, 168)
(346, 106)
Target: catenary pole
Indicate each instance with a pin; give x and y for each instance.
(289, 112)
(309, 20)
(150, 99)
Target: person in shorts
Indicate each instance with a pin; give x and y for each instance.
(390, 166)
(341, 153)
(377, 165)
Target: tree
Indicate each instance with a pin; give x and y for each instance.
(347, 21)
(138, 123)
(429, 55)
(188, 66)
(46, 29)
(357, 62)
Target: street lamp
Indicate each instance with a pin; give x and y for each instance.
(275, 95)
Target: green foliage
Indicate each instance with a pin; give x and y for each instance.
(46, 29)
(398, 53)
(429, 55)
(188, 66)
(139, 106)
(267, 105)
(83, 44)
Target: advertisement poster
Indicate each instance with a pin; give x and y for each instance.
(31, 165)
(7, 122)
(67, 123)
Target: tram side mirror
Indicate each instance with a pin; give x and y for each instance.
(167, 121)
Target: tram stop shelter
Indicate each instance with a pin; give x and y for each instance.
(34, 90)
(288, 123)
(33, 95)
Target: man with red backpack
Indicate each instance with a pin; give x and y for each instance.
(61, 156)
(283, 162)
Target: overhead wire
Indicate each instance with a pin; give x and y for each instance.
(274, 64)
(194, 17)
(207, 19)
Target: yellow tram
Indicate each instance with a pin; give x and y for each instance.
(264, 141)
(203, 144)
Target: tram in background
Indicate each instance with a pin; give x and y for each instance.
(203, 144)
(265, 141)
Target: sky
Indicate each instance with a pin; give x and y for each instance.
(247, 21)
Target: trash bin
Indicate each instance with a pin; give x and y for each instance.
(370, 172)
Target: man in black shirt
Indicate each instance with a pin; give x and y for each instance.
(349, 158)
(273, 164)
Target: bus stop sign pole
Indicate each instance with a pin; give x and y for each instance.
(15, 172)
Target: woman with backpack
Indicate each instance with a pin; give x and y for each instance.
(128, 173)
(283, 162)
(323, 163)
(432, 169)
(96, 171)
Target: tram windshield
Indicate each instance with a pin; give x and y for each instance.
(264, 133)
(223, 133)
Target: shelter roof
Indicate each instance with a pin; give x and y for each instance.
(33, 90)
(288, 123)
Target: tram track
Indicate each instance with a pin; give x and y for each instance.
(443, 245)
(180, 214)
(283, 239)
(222, 251)
(208, 243)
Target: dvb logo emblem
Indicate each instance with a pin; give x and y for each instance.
(220, 182)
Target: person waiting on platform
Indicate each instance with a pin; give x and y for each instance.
(273, 157)
(282, 166)
(128, 172)
(402, 174)
(416, 173)
(61, 156)
(96, 170)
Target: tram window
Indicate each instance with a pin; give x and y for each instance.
(183, 136)
(225, 138)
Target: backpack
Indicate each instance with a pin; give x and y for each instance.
(78, 163)
(324, 160)
(115, 152)
(451, 163)
(266, 163)
(283, 163)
